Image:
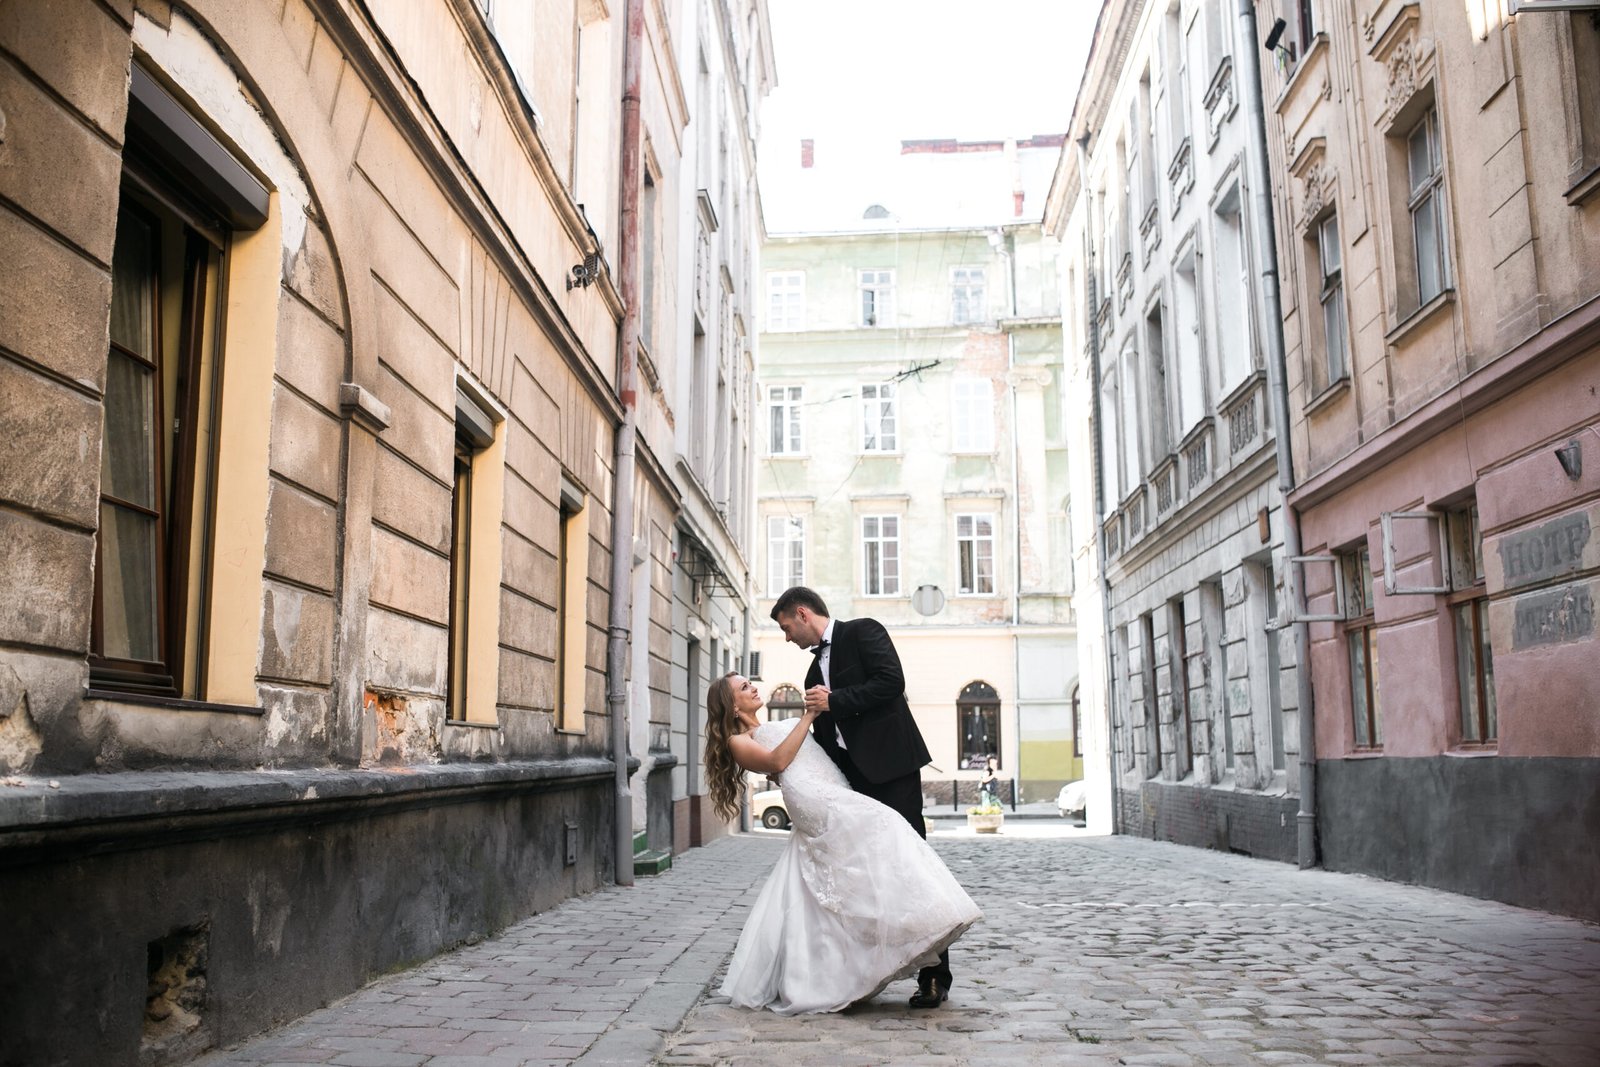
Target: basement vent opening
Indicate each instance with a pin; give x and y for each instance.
(175, 997)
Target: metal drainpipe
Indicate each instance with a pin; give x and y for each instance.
(1095, 447)
(617, 637)
(1277, 385)
(1008, 250)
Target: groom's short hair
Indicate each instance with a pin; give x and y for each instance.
(799, 597)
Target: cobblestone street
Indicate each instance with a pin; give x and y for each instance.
(1093, 951)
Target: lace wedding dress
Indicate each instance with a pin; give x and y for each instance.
(856, 901)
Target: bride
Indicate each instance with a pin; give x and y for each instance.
(856, 901)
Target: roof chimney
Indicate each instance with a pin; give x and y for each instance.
(807, 154)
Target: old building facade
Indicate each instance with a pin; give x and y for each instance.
(1438, 234)
(1166, 353)
(310, 350)
(911, 463)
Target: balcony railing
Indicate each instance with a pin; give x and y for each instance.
(1196, 454)
(1243, 417)
(1165, 480)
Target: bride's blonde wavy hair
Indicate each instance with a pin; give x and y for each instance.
(724, 776)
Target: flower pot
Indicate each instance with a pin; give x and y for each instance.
(985, 824)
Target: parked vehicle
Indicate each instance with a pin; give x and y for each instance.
(1072, 799)
(767, 809)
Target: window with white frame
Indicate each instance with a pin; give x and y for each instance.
(786, 300)
(967, 302)
(1331, 296)
(971, 415)
(877, 298)
(1425, 200)
(786, 552)
(975, 554)
(879, 432)
(785, 436)
(880, 555)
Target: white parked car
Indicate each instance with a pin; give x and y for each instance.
(767, 809)
(1072, 799)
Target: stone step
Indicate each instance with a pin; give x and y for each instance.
(656, 862)
(641, 841)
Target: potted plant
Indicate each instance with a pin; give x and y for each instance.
(986, 817)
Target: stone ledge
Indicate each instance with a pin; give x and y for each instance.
(119, 809)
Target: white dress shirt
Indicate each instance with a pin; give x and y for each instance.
(824, 663)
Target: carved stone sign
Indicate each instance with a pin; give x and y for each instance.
(1563, 614)
(1547, 551)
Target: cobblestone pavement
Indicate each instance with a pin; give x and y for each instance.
(1094, 951)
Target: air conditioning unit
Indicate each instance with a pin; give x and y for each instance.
(753, 671)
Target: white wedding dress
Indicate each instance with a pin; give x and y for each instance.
(856, 901)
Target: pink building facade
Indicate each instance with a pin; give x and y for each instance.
(1438, 235)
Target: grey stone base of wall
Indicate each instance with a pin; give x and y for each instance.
(1253, 824)
(1515, 829)
(257, 898)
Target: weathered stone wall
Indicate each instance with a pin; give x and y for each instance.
(1407, 820)
(301, 888)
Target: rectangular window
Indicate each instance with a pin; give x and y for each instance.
(572, 622)
(1184, 343)
(1469, 605)
(786, 300)
(784, 436)
(877, 298)
(155, 490)
(786, 552)
(967, 302)
(1159, 422)
(1233, 308)
(880, 555)
(1077, 723)
(1178, 650)
(1425, 179)
(972, 415)
(975, 554)
(1331, 296)
(460, 580)
(1361, 638)
(1152, 705)
(878, 421)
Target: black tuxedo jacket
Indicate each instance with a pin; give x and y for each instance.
(867, 703)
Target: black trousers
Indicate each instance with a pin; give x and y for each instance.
(904, 795)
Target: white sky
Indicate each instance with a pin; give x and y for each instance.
(870, 72)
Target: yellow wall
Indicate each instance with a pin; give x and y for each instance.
(249, 344)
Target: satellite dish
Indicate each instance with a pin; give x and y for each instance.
(927, 600)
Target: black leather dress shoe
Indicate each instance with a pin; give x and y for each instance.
(930, 994)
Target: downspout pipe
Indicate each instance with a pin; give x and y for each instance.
(1096, 443)
(1008, 250)
(1247, 56)
(628, 264)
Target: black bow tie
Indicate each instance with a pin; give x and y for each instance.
(819, 649)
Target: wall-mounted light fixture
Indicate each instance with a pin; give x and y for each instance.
(1571, 457)
(1274, 40)
(584, 274)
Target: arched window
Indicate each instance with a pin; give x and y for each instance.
(786, 703)
(978, 725)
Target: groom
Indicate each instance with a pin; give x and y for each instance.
(865, 725)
